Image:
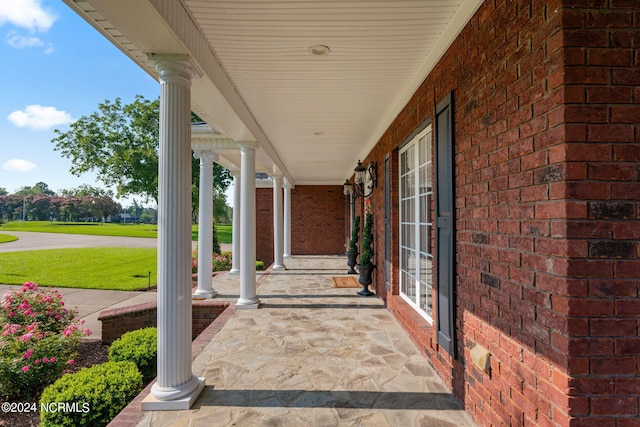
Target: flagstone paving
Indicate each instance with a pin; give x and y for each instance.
(313, 355)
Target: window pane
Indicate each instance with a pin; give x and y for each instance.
(426, 278)
(424, 239)
(415, 227)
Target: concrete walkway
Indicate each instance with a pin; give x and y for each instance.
(313, 355)
(29, 241)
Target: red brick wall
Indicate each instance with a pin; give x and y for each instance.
(264, 225)
(547, 207)
(317, 221)
(117, 321)
(602, 189)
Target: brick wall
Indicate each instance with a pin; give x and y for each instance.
(602, 189)
(317, 221)
(264, 225)
(547, 211)
(118, 321)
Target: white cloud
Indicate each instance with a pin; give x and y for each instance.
(39, 117)
(18, 165)
(19, 42)
(28, 14)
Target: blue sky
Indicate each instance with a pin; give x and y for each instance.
(54, 68)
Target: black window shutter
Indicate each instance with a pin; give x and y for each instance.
(445, 224)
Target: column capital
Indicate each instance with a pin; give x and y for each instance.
(247, 145)
(173, 68)
(206, 156)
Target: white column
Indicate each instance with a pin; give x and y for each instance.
(235, 239)
(205, 225)
(278, 220)
(176, 386)
(248, 298)
(287, 219)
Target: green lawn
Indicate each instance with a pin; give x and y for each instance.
(223, 231)
(7, 238)
(92, 268)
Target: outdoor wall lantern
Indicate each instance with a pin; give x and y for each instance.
(366, 179)
(347, 187)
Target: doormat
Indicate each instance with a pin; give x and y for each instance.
(345, 282)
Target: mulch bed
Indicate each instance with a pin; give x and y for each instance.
(89, 353)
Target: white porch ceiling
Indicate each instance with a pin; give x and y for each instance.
(313, 116)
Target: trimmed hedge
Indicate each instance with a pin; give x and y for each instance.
(140, 347)
(90, 397)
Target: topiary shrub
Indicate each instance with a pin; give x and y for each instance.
(367, 242)
(140, 347)
(90, 397)
(355, 230)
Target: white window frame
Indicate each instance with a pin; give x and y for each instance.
(416, 224)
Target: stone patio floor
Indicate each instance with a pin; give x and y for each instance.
(312, 355)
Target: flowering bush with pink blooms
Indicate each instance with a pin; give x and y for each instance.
(38, 340)
(219, 261)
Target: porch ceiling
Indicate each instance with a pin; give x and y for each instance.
(313, 116)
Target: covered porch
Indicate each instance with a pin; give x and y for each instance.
(312, 355)
(301, 104)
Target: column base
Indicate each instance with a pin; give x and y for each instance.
(279, 267)
(243, 303)
(184, 400)
(234, 271)
(203, 294)
(287, 256)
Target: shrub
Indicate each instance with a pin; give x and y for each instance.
(222, 262)
(28, 364)
(140, 347)
(30, 305)
(367, 241)
(355, 230)
(259, 265)
(93, 396)
(39, 339)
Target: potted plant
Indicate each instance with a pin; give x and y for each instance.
(366, 265)
(352, 252)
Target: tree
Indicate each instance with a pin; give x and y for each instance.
(120, 143)
(40, 188)
(3, 191)
(86, 190)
